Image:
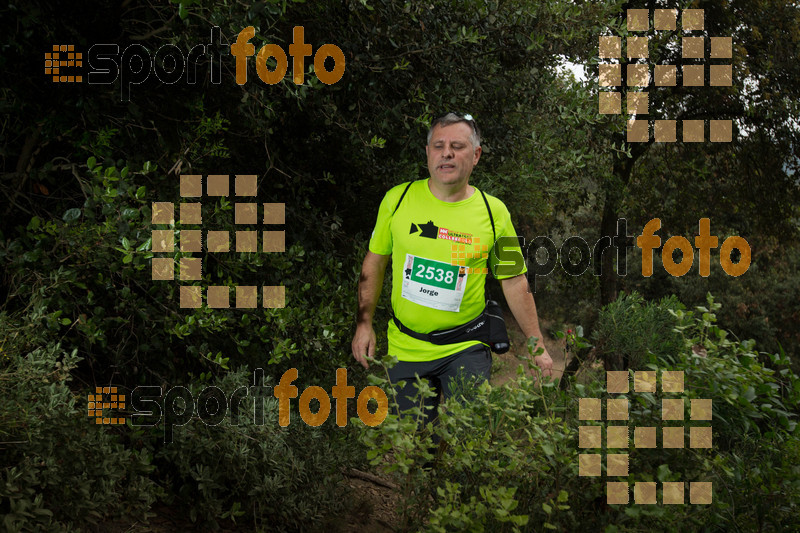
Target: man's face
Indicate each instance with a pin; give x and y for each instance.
(451, 155)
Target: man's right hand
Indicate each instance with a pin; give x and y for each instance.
(364, 343)
(369, 290)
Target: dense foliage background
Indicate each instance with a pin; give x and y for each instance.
(78, 308)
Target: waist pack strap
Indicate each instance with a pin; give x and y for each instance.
(410, 332)
(462, 333)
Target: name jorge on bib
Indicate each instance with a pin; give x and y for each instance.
(434, 284)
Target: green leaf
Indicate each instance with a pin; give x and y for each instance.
(749, 394)
(633, 511)
(72, 215)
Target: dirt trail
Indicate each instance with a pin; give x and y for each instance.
(505, 365)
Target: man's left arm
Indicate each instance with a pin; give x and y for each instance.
(520, 301)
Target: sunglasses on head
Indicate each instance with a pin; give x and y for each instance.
(465, 116)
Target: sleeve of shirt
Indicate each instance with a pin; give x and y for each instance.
(381, 240)
(506, 258)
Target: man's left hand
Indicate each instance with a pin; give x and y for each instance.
(545, 362)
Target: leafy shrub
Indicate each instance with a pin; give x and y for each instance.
(497, 450)
(630, 328)
(91, 274)
(763, 304)
(91, 291)
(752, 394)
(278, 479)
(755, 403)
(510, 462)
(65, 472)
(60, 470)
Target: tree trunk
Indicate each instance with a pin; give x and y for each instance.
(609, 284)
(608, 277)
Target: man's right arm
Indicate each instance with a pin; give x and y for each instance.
(369, 290)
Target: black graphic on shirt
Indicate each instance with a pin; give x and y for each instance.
(430, 230)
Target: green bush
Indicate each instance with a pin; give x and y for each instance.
(629, 329)
(753, 393)
(91, 293)
(510, 462)
(500, 452)
(275, 478)
(61, 471)
(91, 274)
(763, 304)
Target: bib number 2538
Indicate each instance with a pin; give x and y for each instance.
(433, 283)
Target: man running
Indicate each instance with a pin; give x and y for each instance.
(439, 233)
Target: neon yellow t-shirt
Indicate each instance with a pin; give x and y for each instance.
(439, 259)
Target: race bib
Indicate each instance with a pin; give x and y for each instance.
(433, 284)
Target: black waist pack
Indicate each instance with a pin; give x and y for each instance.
(489, 327)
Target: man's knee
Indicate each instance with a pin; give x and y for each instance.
(468, 371)
(423, 393)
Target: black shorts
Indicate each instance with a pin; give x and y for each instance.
(451, 376)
